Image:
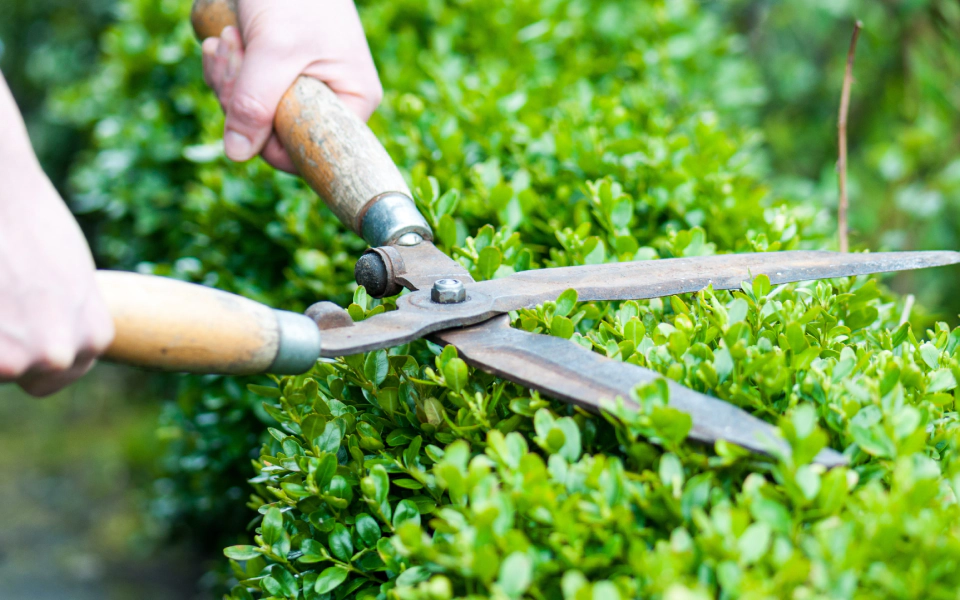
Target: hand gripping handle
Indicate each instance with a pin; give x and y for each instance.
(172, 325)
(334, 151)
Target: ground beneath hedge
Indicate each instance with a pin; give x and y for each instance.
(75, 526)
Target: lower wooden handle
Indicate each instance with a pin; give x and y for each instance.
(176, 326)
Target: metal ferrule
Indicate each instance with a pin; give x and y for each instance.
(390, 216)
(299, 345)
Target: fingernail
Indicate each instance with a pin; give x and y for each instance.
(237, 146)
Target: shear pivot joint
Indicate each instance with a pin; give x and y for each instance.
(448, 291)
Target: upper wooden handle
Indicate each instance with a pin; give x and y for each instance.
(332, 148)
(171, 325)
(209, 17)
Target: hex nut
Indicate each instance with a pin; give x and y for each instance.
(448, 291)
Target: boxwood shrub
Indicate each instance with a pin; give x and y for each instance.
(535, 133)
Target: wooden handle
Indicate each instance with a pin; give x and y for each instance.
(209, 17)
(176, 326)
(334, 151)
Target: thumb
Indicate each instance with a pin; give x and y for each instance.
(261, 83)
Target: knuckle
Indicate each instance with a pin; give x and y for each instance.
(247, 109)
(14, 366)
(100, 339)
(54, 357)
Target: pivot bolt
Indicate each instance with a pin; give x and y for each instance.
(448, 291)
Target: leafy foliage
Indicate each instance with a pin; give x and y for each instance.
(413, 475)
(535, 134)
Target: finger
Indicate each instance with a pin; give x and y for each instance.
(357, 85)
(218, 70)
(276, 155)
(43, 383)
(14, 361)
(233, 60)
(209, 51)
(266, 73)
(98, 328)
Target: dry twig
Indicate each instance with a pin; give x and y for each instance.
(842, 129)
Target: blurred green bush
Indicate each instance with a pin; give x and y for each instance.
(536, 134)
(904, 114)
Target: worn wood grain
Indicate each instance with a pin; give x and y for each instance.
(209, 17)
(335, 151)
(171, 325)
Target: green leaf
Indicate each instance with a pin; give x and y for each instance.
(455, 374)
(379, 484)
(797, 338)
(281, 583)
(340, 544)
(489, 261)
(329, 579)
(447, 231)
(516, 574)
(264, 391)
(409, 484)
(941, 381)
(761, 286)
(376, 366)
(330, 439)
(412, 577)
(272, 527)
(566, 303)
(406, 512)
(873, 440)
(634, 331)
(242, 552)
(754, 543)
(561, 327)
(671, 425)
(368, 530)
(930, 355)
(737, 311)
(447, 203)
(312, 426)
(313, 552)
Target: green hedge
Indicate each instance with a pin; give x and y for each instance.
(535, 134)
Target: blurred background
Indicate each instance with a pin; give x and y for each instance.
(128, 485)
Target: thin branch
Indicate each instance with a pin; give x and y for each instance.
(842, 129)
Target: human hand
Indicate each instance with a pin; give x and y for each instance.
(282, 40)
(53, 322)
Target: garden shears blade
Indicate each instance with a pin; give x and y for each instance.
(444, 301)
(179, 326)
(568, 372)
(418, 268)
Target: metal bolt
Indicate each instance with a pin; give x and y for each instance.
(409, 239)
(448, 291)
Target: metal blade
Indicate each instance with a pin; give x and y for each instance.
(670, 276)
(417, 315)
(564, 370)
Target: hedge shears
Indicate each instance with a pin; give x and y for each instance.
(172, 325)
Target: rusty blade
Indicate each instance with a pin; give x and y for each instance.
(417, 315)
(659, 278)
(566, 371)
